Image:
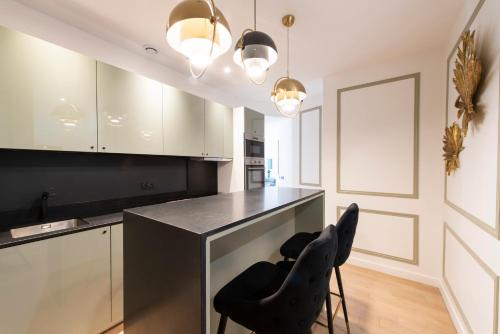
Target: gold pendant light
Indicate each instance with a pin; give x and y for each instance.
(255, 52)
(198, 30)
(288, 94)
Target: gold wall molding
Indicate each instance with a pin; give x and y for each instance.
(494, 231)
(416, 117)
(495, 278)
(415, 258)
(320, 109)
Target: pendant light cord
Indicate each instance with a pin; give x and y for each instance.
(288, 52)
(254, 15)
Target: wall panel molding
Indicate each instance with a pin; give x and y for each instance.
(494, 277)
(415, 236)
(494, 231)
(415, 190)
(320, 110)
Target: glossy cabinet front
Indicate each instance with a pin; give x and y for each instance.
(183, 123)
(47, 96)
(254, 123)
(214, 129)
(228, 133)
(57, 285)
(129, 110)
(117, 274)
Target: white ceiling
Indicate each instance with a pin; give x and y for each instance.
(329, 35)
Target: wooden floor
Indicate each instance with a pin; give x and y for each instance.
(380, 303)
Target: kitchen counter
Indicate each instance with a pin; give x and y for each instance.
(177, 255)
(208, 215)
(6, 240)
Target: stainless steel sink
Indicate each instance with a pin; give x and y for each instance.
(46, 227)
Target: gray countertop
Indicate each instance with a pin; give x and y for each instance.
(211, 214)
(6, 239)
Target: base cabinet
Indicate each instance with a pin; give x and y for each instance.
(116, 274)
(57, 285)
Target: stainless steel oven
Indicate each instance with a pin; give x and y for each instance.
(254, 146)
(254, 173)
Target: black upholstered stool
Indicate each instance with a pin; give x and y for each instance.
(346, 229)
(282, 298)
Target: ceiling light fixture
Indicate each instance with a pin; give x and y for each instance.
(255, 52)
(288, 94)
(198, 30)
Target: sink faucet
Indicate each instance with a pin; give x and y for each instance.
(44, 206)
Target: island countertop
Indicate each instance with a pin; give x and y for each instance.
(212, 214)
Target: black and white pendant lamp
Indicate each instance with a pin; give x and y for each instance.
(255, 52)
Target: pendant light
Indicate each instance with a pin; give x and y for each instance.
(198, 30)
(255, 52)
(288, 94)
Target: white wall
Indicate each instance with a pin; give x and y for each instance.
(471, 253)
(427, 206)
(279, 146)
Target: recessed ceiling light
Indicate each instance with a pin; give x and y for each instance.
(227, 69)
(150, 50)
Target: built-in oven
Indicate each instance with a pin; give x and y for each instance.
(254, 146)
(254, 173)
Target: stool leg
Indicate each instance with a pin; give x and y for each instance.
(222, 324)
(341, 290)
(329, 312)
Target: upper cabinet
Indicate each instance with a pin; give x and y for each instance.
(52, 98)
(254, 123)
(183, 123)
(214, 129)
(47, 96)
(228, 133)
(129, 111)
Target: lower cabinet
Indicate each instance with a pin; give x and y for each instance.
(57, 285)
(116, 274)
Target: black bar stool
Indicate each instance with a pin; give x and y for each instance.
(346, 229)
(282, 298)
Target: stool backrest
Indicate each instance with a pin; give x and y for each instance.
(295, 306)
(346, 229)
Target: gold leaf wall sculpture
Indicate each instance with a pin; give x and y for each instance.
(453, 145)
(467, 76)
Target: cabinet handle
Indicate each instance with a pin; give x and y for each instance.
(105, 231)
(91, 147)
(103, 147)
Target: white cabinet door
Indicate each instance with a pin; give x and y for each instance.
(130, 112)
(117, 273)
(47, 96)
(228, 133)
(254, 123)
(214, 129)
(58, 285)
(183, 123)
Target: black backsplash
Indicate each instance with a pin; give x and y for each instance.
(87, 184)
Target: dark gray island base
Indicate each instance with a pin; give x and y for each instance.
(177, 255)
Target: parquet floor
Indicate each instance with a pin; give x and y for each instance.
(379, 303)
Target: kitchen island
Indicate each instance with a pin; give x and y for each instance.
(177, 255)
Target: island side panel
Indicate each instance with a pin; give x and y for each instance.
(230, 254)
(162, 278)
(310, 216)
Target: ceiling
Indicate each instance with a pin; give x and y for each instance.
(329, 35)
